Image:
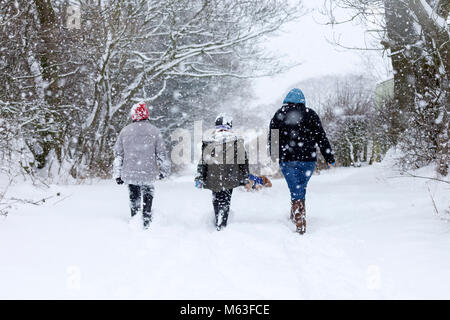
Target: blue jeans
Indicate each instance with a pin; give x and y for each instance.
(297, 175)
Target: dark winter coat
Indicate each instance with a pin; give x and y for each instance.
(224, 162)
(299, 132)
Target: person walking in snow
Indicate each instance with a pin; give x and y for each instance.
(299, 132)
(140, 159)
(223, 167)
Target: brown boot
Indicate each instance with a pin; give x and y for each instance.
(294, 208)
(298, 215)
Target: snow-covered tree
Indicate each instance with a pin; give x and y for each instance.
(81, 81)
(350, 117)
(416, 35)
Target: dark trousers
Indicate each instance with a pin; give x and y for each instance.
(221, 204)
(137, 194)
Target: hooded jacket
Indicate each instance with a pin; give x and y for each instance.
(299, 131)
(224, 163)
(140, 154)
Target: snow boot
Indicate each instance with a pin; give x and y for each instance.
(298, 215)
(221, 204)
(147, 222)
(219, 220)
(147, 219)
(216, 215)
(147, 207)
(222, 218)
(134, 211)
(295, 204)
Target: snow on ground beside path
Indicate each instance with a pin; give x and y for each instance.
(369, 236)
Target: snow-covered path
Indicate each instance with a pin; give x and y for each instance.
(368, 236)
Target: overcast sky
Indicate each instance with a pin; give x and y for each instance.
(305, 41)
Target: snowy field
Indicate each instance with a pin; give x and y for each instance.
(370, 235)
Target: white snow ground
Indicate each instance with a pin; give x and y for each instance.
(369, 236)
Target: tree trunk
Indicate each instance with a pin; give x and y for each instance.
(49, 66)
(401, 34)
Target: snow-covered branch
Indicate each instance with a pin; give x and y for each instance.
(428, 17)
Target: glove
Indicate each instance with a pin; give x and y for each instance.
(332, 164)
(198, 184)
(119, 181)
(245, 182)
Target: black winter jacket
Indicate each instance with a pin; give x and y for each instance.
(224, 163)
(300, 131)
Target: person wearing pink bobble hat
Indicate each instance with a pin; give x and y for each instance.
(140, 157)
